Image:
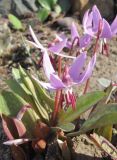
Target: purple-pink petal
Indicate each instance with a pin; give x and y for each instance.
(35, 39)
(45, 85)
(57, 48)
(77, 65)
(87, 73)
(87, 23)
(85, 19)
(47, 65)
(74, 32)
(56, 82)
(106, 30)
(114, 26)
(85, 40)
(96, 18)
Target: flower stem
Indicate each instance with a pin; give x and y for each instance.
(94, 52)
(58, 95)
(86, 86)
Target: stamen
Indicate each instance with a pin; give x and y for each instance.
(70, 99)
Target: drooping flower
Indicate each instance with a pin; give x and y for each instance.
(72, 75)
(96, 26)
(93, 19)
(57, 49)
(80, 42)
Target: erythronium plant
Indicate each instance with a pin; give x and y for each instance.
(36, 117)
(91, 22)
(81, 42)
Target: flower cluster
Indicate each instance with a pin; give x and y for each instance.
(95, 27)
(42, 120)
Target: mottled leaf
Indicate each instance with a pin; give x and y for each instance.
(83, 104)
(104, 116)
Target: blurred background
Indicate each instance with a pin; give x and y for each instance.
(45, 8)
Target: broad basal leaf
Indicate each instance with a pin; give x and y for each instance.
(106, 115)
(39, 109)
(83, 104)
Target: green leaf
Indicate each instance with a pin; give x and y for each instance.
(16, 73)
(43, 14)
(10, 105)
(39, 109)
(44, 98)
(48, 4)
(52, 3)
(32, 92)
(45, 4)
(105, 115)
(15, 22)
(66, 127)
(83, 104)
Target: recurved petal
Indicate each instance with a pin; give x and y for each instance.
(34, 44)
(84, 40)
(87, 73)
(56, 82)
(74, 32)
(77, 65)
(57, 48)
(35, 38)
(114, 26)
(96, 18)
(87, 23)
(45, 85)
(85, 18)
(47, 65)
(106, 30)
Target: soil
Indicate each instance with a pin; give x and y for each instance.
(105, 67)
